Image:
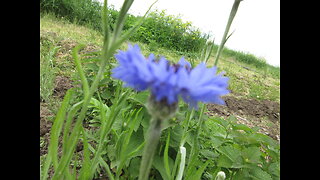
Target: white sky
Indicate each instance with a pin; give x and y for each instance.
(256, 25)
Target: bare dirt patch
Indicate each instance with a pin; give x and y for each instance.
(264, 114)
(62, 84)
(45, 124)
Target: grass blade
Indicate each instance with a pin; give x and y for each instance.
(54, 136)
(102, 163)
(79, 68)
(67, 125)
(166, 157)
(86, 165)
(233, 12)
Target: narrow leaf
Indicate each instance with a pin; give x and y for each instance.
(166, 157)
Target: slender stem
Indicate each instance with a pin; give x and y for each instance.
(231, 17)
(154, 134)
(195, 139)
(79, 68)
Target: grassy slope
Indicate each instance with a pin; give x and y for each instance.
(248, 83)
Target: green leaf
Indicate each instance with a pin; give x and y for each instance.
(176, 135)
(111, 152)
(197, 175)
(258, 174)
(224, 161)
(274, 169)
(230, 151)
(119, 144)
(85, 170)
(265, 139)
(134, 167)
(241, 127)
(140, 97)
(79, 68)
(241, 174)
(166, 157)
(216, 141)
(244, 138)
(159, 165)
(55, 132)
(233, 154)
(220, 121)
(209, 154)
(136, 140)
(252, 155)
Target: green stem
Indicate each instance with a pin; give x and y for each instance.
(80, 69)
(224, 38)
(182, 141)
(193, 151)
(154, 134)
(74, 137)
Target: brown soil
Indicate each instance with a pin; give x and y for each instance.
(45, 126)
(264, 114)
(62, 84)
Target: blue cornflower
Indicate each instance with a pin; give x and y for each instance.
(168, 82)
(133, 69)
(141, 73)
(202, 84)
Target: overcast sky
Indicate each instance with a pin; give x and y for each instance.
(256, 25)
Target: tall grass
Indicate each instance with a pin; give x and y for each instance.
(250, 59)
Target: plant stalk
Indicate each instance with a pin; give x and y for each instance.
(154, 133)
(224, 38)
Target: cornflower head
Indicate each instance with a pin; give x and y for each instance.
(169, 81)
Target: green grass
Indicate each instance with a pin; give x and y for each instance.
(246, 80)
(47, 71)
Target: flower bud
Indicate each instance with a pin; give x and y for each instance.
(221, 176)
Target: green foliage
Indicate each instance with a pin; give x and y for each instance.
(241, 151)
(158, 30)
(78, 11)
(47, 71)
(170, 32)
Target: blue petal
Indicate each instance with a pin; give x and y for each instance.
(182, 62)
